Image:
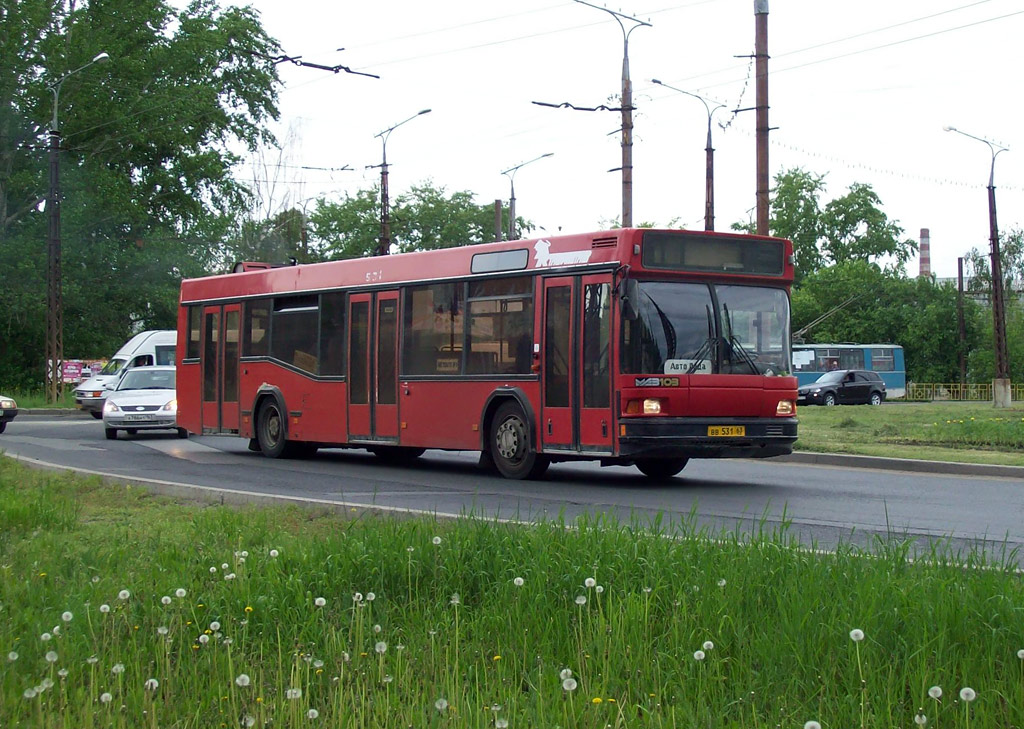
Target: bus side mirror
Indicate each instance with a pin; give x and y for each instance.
(629, 299)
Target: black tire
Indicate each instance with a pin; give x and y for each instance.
(182, 433)
(98, 414)
(661, 468)
(510, 447)
(397, 453)
(829, 399)
(270, 427)
(3, 425)
(876, 398)
(111, 433)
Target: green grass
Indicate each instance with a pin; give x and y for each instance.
(37, 399)
(963, 432)
(213, 593)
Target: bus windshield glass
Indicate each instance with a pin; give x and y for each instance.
(689, 328)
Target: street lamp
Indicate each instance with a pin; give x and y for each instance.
(627, 111)
(384, 246)
(54, 297)
(709, 187)
(511, 172)
(1001, 396)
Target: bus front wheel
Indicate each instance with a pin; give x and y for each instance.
(510, 446)
(270, 429)
(661, 468)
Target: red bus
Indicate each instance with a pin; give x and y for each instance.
(630, 347)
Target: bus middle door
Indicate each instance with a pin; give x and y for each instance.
(221, 330)
(373, 367)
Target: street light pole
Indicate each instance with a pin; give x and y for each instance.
(384, 245)
(54, 296)
(511, 173)
(627, 112)
(1001, 395)
(709, 182)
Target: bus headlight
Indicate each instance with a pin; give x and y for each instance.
(785, 408)
(647, 406)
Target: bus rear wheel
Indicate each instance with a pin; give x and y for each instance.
(510, 447)
(661, 468)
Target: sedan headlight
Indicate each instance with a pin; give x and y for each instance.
(8, 404)
(110, 407)
(170, 407)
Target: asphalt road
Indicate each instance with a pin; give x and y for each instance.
(819, 505)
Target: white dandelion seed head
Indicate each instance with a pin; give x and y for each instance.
(436, 541)
(274, 553)
(599, 589)
(242, 679)
(245, 553)
(166, 599)
(51, 656)
(92, 660)
(229, 576)
(320, 602)
(647, 590)
(1020, 654)
(698, 655)
(215, 625)
(920, 719)
(345, 656)
(370, 597)
(856, 635)
(45, 637)
(293, 693)
(377, 628)
(180, 592)
(63, 673)
(204, 639)
(589, 582)
(935, 692)
(106, 697)
(123, 595)
(151, 684)
(162, 630)
(565, 673)
(248, 721)
(722, 582)
(118, 668)
(95, 579)
(708, 645)
(455, 600)
(569, 684)
(381, 647)
(357, 597)
(388, 678)
(56, 630)
(318, 663)
(518, 582)
(812, 725)
(225, 566)
(30, 693)
(410, 549)
(227, 641)
(581, 600)
(501, 723)
(12, 656)
(968, 694)
(66, 616)
(312, 714)
(213, 570)
(441, 704)
(47, 683)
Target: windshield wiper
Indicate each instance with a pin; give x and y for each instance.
(735, 345)
(706, 348)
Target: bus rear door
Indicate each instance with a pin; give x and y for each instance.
(576, 398)
(221, 335)
(373, 367)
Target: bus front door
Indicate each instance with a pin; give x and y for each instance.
(221, 330)
(576, 383)
(373, 367)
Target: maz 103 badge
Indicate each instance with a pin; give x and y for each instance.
(688, 367)
(656, 382)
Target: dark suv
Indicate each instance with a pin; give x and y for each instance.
(843, 387)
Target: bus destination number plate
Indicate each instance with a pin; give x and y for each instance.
(726, 431)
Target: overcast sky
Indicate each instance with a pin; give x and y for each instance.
(859, 92)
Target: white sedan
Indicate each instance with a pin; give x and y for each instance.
(144, 399)
(8, 409)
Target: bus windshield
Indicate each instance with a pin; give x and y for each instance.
(689, 328)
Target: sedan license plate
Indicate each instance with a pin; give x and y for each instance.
(138, 418)
(726, 431)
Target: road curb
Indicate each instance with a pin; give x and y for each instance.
(845, 460)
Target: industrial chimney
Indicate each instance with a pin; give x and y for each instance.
(926, 254)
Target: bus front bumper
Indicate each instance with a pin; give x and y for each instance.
(706, 437)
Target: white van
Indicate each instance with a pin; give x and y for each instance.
(146, 348)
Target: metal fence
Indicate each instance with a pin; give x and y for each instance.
(927, 391)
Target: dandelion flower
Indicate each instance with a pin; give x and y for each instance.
(215, 625)
(248, 720)
(106, 697)
(229, 576)
(381, 647)
(501, 723)
(721, 582)
(162, 630)
(293, 693)
(180, 592)
(436, 541)
(274, 553)
(589, 582)
(581, 600)
(30, 693)
(242, 679)
(151, 684)
(166, 599)
(47, 683)
(357, 597)
(204, 639)
(935, 692)
(569, 684)
(12, 656)
(698, 655)
(812, 725)
(213, 570)
(56, 630)
(117, 668)
(63, 673)
(968, 694)
(565, 673)
(596, 700)
(312, 714)
(91, 660)
(920, 719)
(388, 678)
(708, 645)
(370, 597)
(856, 635)
(456, 599)
(518, 582)
(599, 589)
(441, 704)
(51, 656)
(1020, 654)
(225, 566)
(123, 595)
(45, 637)
(66, 616)
(320, 602)
(377, 629)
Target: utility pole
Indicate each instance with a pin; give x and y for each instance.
(384, 244)
(627, 111)
(511, 174)
(761, 66)
(961, 325)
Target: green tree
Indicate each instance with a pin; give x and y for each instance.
(148, 142)
(979, 277)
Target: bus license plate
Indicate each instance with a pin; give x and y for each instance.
(726, 431)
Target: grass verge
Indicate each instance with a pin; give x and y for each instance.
(123, 609)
